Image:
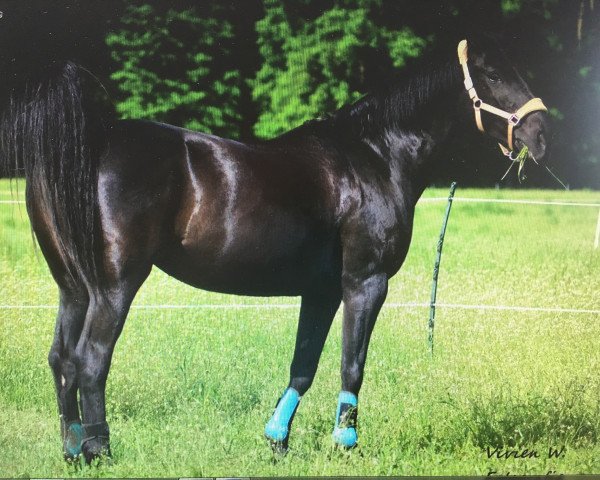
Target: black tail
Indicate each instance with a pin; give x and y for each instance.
(45, 134)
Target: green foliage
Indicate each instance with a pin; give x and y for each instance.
(511, 6)
(176, 66)
(322, 65)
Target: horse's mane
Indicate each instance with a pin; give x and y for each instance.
(400, 101)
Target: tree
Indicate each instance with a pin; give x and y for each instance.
(178, 65)
(312, 66)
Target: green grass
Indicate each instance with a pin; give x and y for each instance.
(191, 389)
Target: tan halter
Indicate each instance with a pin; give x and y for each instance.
(513, 119)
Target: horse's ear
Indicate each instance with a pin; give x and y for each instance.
(486, 42)
(463, 51)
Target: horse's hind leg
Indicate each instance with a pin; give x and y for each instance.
(316, 314)
(103, 324)
(69, 322)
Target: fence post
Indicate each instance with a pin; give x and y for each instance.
(436, 267)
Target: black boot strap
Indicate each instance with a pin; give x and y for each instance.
(95, 430)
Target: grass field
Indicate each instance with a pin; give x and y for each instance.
(191, 388)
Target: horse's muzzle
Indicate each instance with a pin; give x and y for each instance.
(534, 133)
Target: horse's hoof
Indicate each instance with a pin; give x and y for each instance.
(279, 447)
(96, 445)
(277, 429)
(96, 450)
(276, 432)
(345, 437)
(72, 438)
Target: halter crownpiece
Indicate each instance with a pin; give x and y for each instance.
(513, 119)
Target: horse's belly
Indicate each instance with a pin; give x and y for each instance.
(267, 265)
(239, 282)
(238, 277)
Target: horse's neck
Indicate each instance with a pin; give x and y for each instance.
(410, 126)
(415, 154)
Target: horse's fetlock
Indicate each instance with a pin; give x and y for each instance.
(301, 384)
(72, 433)
(352, 377)
(277, 429)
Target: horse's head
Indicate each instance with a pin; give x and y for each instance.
(503, 104)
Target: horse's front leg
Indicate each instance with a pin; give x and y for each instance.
(363, 298)
(316, 314)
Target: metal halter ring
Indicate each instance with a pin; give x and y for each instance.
(477, 103)
(514, 119)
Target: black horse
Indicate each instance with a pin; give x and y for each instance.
(324, 211)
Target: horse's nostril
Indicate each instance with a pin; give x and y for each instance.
(540, 137)
(519, 144)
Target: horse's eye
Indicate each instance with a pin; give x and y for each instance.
(493, 77)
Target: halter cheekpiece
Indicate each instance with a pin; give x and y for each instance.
(513, 119)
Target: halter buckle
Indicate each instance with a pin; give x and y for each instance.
(514, 120)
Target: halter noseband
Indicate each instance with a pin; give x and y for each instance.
(513, 119)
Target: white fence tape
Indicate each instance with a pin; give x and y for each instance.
(506, 200)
